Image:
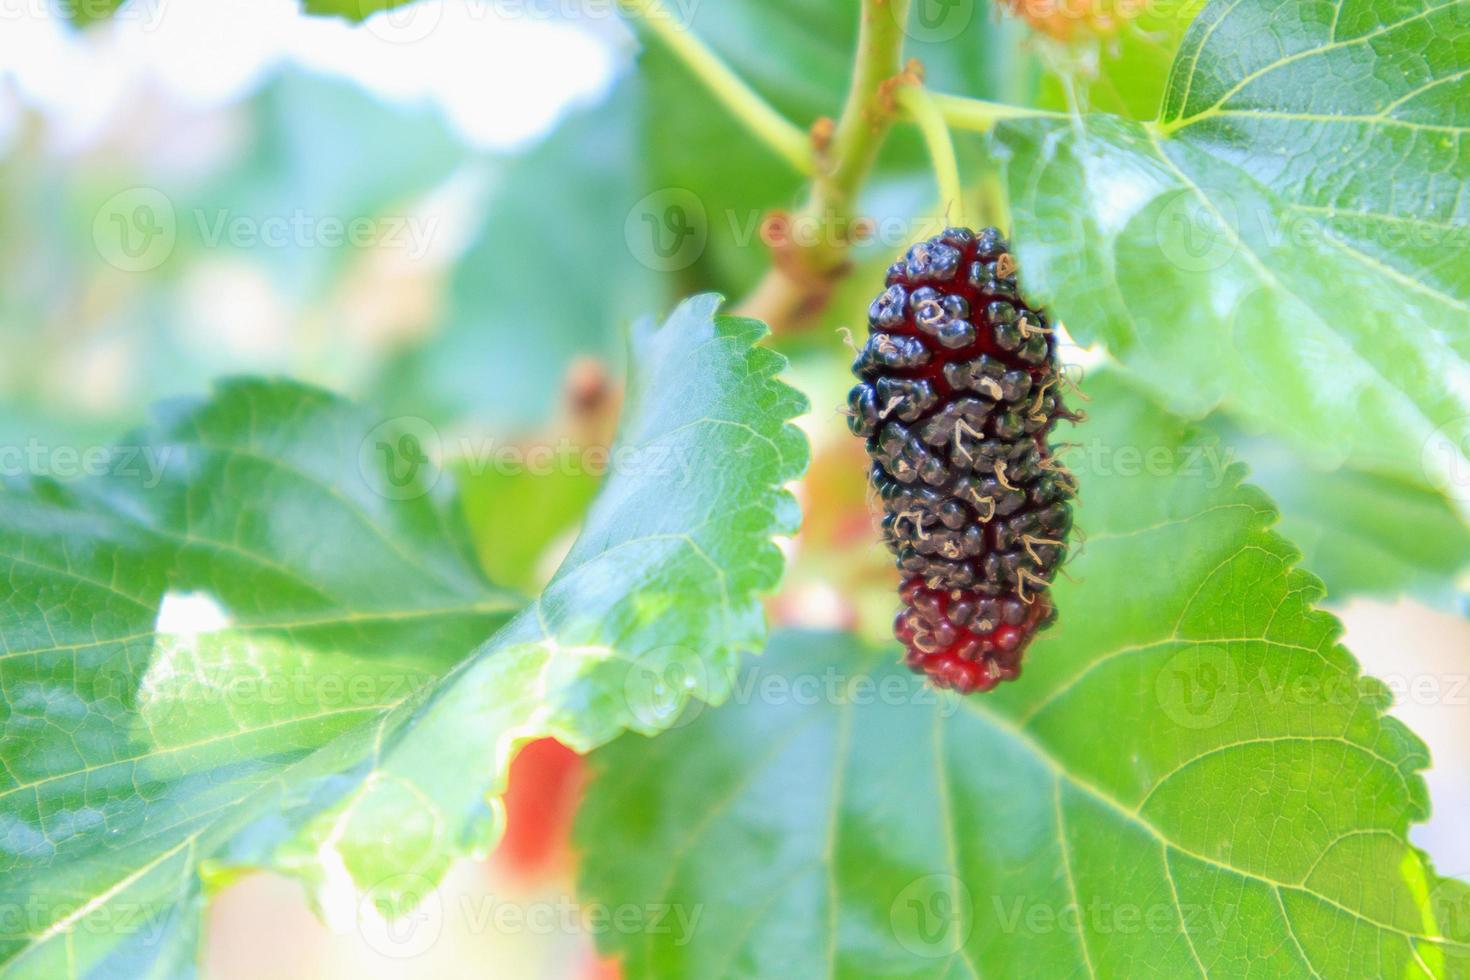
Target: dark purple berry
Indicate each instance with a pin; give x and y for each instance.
(959, 390)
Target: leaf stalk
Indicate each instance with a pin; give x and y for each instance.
(782, 136)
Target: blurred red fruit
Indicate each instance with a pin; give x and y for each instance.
(541, 800)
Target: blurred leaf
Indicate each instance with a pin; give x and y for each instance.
(515, 515)
(323, 154)
(1283, 244)
(299, 222)
(84, 12)
(1190, 775)
(1365, 533)
(1123, 73)
(256, 655)
(551, 274)
(353, 10)
(329, 145)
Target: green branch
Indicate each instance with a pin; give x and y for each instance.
(784, 137)
(865, 117)
(921, 107)
(981, 116)
(807, 264)
(812, 254)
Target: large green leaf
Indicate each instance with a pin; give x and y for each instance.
(254, 643)
(1289, 240)
(1191, 777)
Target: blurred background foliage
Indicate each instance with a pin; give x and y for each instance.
(511, 250)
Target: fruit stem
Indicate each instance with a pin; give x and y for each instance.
(981, 116)
(869, 109)
(920, 106)
(781, 135)
(813, 254)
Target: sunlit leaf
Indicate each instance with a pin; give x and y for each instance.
(261, 640)
(1190, 775)
(1289, 240)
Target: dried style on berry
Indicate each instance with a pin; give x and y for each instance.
(960, 388)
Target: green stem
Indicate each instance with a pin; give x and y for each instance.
(920, 105)
(784, 137)
(981, 116)
(816, 254)
(866, 118)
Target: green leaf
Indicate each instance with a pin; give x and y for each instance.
(1365, 533)
(84, 12)
(261, 653)
(183, 634)
(1191, 775)
(353, 10)
(1289, 241)
(516, 516)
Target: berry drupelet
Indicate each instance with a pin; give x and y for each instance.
(960, 388)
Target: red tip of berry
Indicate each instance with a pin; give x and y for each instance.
(965, 642)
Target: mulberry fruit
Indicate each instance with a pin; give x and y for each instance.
(960, 388)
